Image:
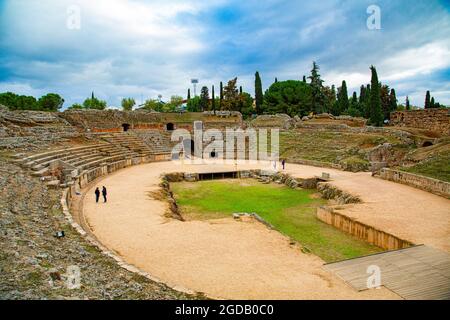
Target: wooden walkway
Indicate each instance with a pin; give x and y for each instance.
(416, 273)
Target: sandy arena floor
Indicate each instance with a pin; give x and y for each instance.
(245, 260)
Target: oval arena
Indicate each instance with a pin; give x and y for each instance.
(234, 257)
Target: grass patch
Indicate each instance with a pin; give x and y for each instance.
(437, 167)
(329, 146)
(292, 212)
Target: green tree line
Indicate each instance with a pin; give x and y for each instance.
(49, 102)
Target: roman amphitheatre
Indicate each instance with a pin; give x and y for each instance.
(350, 197)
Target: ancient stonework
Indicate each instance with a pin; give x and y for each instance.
(431, 119)
(281, 121)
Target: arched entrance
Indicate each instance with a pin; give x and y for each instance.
(126, 127)
(170, 127)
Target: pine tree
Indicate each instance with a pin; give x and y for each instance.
(213, 101)
(330, 94)
(318, 97)
(259, 98)
(231, 95)
(427, 100)
(343, 99)
(376, 115)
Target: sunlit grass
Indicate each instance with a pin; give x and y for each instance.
(292, 212)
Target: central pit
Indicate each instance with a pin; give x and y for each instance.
(290, 211)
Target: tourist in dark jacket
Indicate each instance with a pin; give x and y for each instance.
(104, 193)
(97, 195)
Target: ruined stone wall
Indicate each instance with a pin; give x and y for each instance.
(362, 231)
(281, 121)
(431, 119)
(112, 120)
(32, 130)
(435, 186)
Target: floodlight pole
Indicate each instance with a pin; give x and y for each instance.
(194, 83)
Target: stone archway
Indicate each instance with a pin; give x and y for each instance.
(126, 127)
(170, 127)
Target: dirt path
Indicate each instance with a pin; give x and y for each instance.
(222, 258)
(408, 213)
(228, 259)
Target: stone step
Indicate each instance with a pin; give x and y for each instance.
(41, 173)
(53, 184)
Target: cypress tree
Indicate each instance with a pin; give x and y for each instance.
(221, 95)
(362, 100)
(376, 115)
(392, 101)
(213, 101)
(353, 109)
(427, 100)
(276, 80)
(189, 95)
(304, 79)
(367, 102)
(354, 98)
(407, 105)
(258, 93)
(204, 98)
(240, 89)
(343, 99)
(432, 104)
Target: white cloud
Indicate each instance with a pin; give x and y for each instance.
(21, 88)
(136, 47)
(416, 61)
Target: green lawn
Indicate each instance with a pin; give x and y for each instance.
(292, 212)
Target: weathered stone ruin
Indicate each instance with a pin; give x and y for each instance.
(430, 119)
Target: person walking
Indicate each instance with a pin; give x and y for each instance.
(97, 195)
(283, 163)
(104, 193)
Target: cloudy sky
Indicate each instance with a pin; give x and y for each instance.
(140, 49)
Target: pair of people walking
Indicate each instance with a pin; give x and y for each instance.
(104, 193)
(283, 164)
